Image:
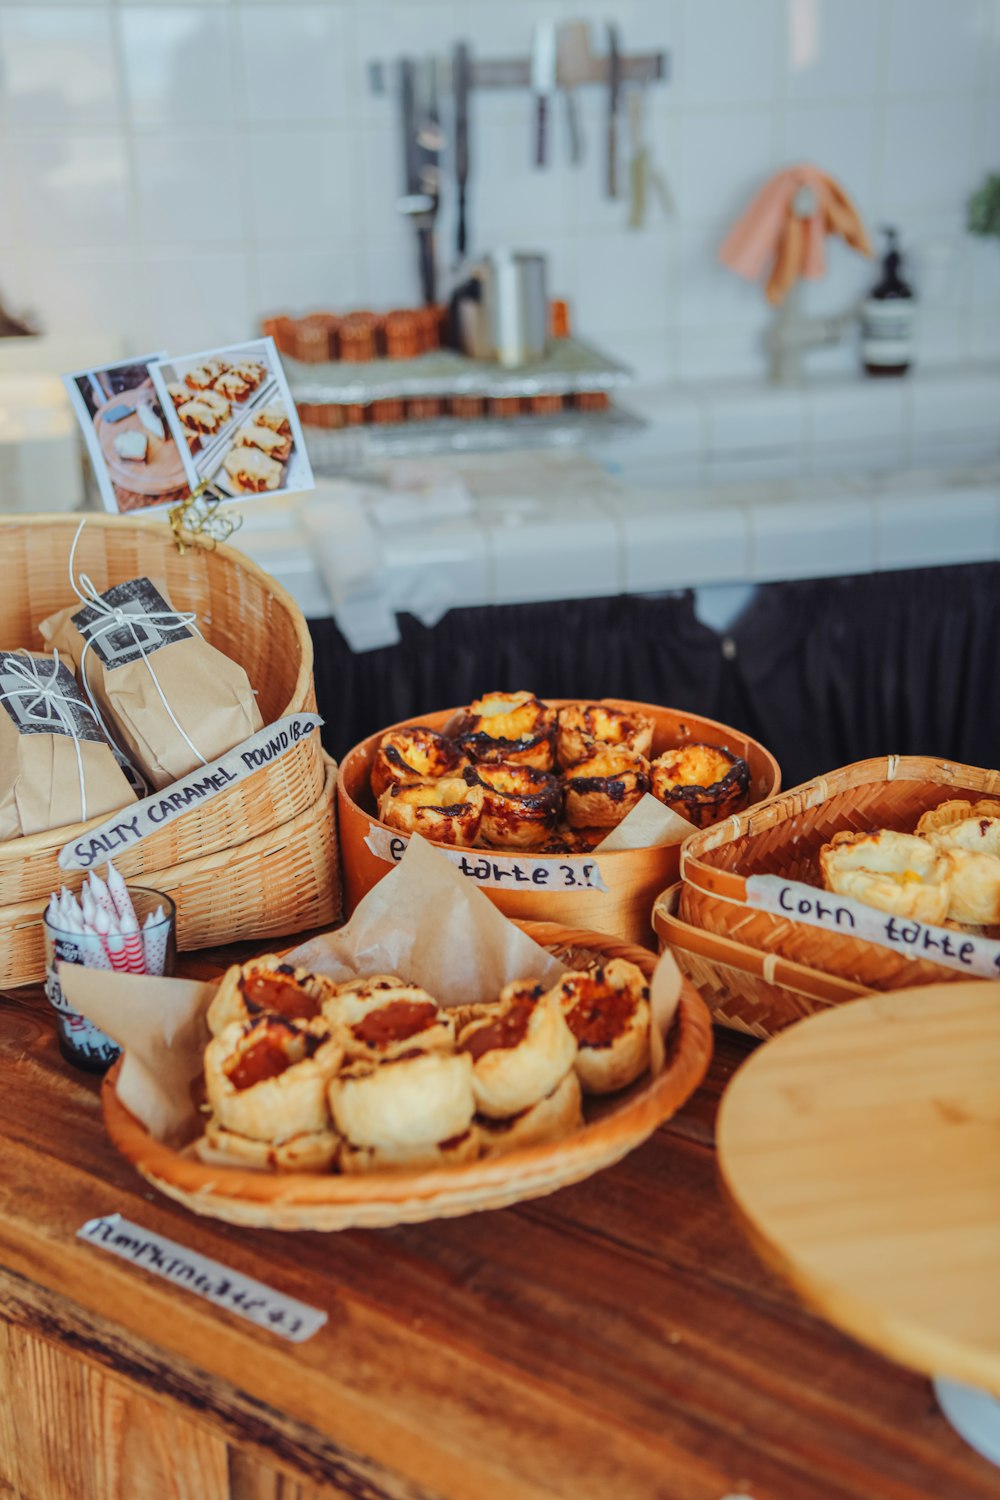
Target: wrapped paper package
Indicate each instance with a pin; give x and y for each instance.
(172, 701)
(56, 766)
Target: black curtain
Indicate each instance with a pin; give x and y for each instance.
(823, 672)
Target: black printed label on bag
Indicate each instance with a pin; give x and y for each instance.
(135, 621)
(44, 699)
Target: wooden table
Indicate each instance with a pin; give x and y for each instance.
(618, 1340)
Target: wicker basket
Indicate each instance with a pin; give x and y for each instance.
(282, 881)
(782, 837)
(307, 1201)
(745, 989)
(241, 611)
(634, 877)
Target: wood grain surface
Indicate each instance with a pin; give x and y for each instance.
(617, 1340)
(862, 1147)
(162, 470)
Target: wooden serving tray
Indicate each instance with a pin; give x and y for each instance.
(330, 1201)
(162, 470)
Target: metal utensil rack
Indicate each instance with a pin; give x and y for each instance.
(515, 72)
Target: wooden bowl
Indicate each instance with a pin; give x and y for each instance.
(634, 877)
(614, 1126)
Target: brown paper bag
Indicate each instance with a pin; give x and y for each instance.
(56, 766)
(172, 701)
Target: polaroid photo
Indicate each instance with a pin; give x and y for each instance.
(234, 420)
(136, 460)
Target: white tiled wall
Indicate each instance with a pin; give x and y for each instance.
(177, 169)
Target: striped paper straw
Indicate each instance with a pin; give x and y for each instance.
(114, 943)
(119, 894)
(135, 954)
(100, 894)
(155, 931)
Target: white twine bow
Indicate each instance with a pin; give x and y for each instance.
(117, 619)
(40, 700)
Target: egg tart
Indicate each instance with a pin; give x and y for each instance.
(267, 985)
(521, 804)
(702, 783)
(512, 727)
(384, 1023)
(518, 1055)
(607, 1010)
(268, 1079)
(896, 872)
(418, 1098)
(583, 727)
(313, 1151)
(413, 1158)
(567, 840)
(447, 812)
(413, 754)
(606, 786)
(550, 1119)
(974, 826)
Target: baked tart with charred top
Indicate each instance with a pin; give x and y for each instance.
(384, 1023)
(413, 754)
(895, 872)
(567, 840)
(448, 811)
(603, 788)
(417, 1098)
(521, 804)
(702, 783)
(268, 1079)
(518, 1055)
(607, 1010)
(584, 727)
(513, 727)
(267, 985)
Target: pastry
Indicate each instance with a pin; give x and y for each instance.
(202, 376)
(581, 727)
(521, 805)
(448, 811)
(702, 783)
(200, 416)
(413, 1158)
(419, 1098)
(513, 727)
(607, 1010)
(252, 471)
(519, 1054)
(601, 790)
(963, 825)
(132, 445)
(268, 1079)
(272, 443)
(383, 1023)
(896, 872)
(215, 403)
(274, 416)
(250, 370)
(178, 393)
(549, 1120)
(313, 1151)
(267, 985)
(975, 887)
(193, 439)
(231, 385)
(414, 754)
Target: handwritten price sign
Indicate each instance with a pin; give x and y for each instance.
(501, 871)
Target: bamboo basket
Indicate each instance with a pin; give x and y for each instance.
(240, 610)
(634, 877)
(783, 837)
(332, 1202)
(285, 880)
(745, 989)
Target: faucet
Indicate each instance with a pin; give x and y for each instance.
(791, 332)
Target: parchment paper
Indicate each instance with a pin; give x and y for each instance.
(650, 825)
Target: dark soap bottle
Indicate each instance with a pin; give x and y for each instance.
(887, 317)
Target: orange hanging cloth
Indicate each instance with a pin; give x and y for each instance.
(772, 229)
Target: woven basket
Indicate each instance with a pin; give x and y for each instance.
(745, 989)
(240, 610)
(634, 877)
(329, 1202)
(783, 837)
(285, 880)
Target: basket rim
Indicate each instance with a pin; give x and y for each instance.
(698, 871)
(772, 968)
(363, 747)
(624, 1124)
(54, 838)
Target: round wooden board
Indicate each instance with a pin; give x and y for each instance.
(862, 1150)
(272, 1200)
(162, 470)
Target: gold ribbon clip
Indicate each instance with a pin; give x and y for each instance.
(197, 521)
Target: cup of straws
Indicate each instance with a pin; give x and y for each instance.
(126, 929)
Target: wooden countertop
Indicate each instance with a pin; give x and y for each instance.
(617, 1340)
